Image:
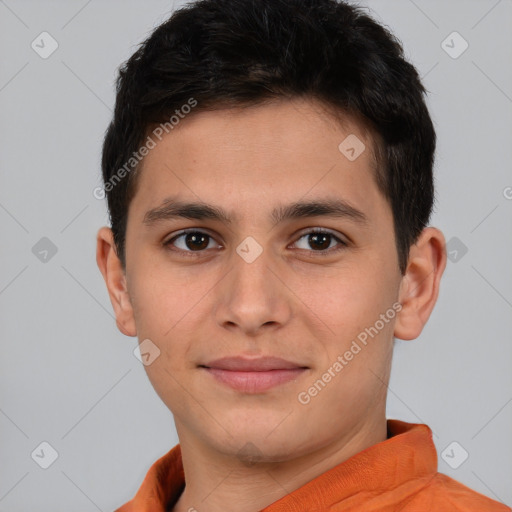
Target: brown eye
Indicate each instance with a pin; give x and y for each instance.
(191, 241)
(320, 241)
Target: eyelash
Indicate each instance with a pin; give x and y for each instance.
(193, 254)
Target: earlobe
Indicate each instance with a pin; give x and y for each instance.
(419, 288)
(115, 278)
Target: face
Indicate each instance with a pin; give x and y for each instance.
(285, 291)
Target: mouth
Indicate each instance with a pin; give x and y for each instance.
(253, 375)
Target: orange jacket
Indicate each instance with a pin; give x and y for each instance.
(398, 474)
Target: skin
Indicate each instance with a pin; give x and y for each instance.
(243, 450)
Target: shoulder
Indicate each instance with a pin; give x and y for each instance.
(449, 495)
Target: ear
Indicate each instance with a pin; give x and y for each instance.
(115, 279)
(419, 288)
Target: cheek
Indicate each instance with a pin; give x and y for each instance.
(360, 316)
(352, 302)
(168, 305)
(161, 309)
(163, 299)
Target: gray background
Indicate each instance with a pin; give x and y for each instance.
(69, 378)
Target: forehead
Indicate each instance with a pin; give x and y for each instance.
(247, 156)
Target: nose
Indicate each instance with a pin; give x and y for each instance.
(253, 296)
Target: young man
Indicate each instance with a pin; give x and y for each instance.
(269, 178)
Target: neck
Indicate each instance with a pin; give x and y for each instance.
(221, 483)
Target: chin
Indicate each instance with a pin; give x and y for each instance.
(253, 445)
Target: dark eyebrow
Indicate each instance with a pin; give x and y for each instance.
(171, 209)
(320, 207)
